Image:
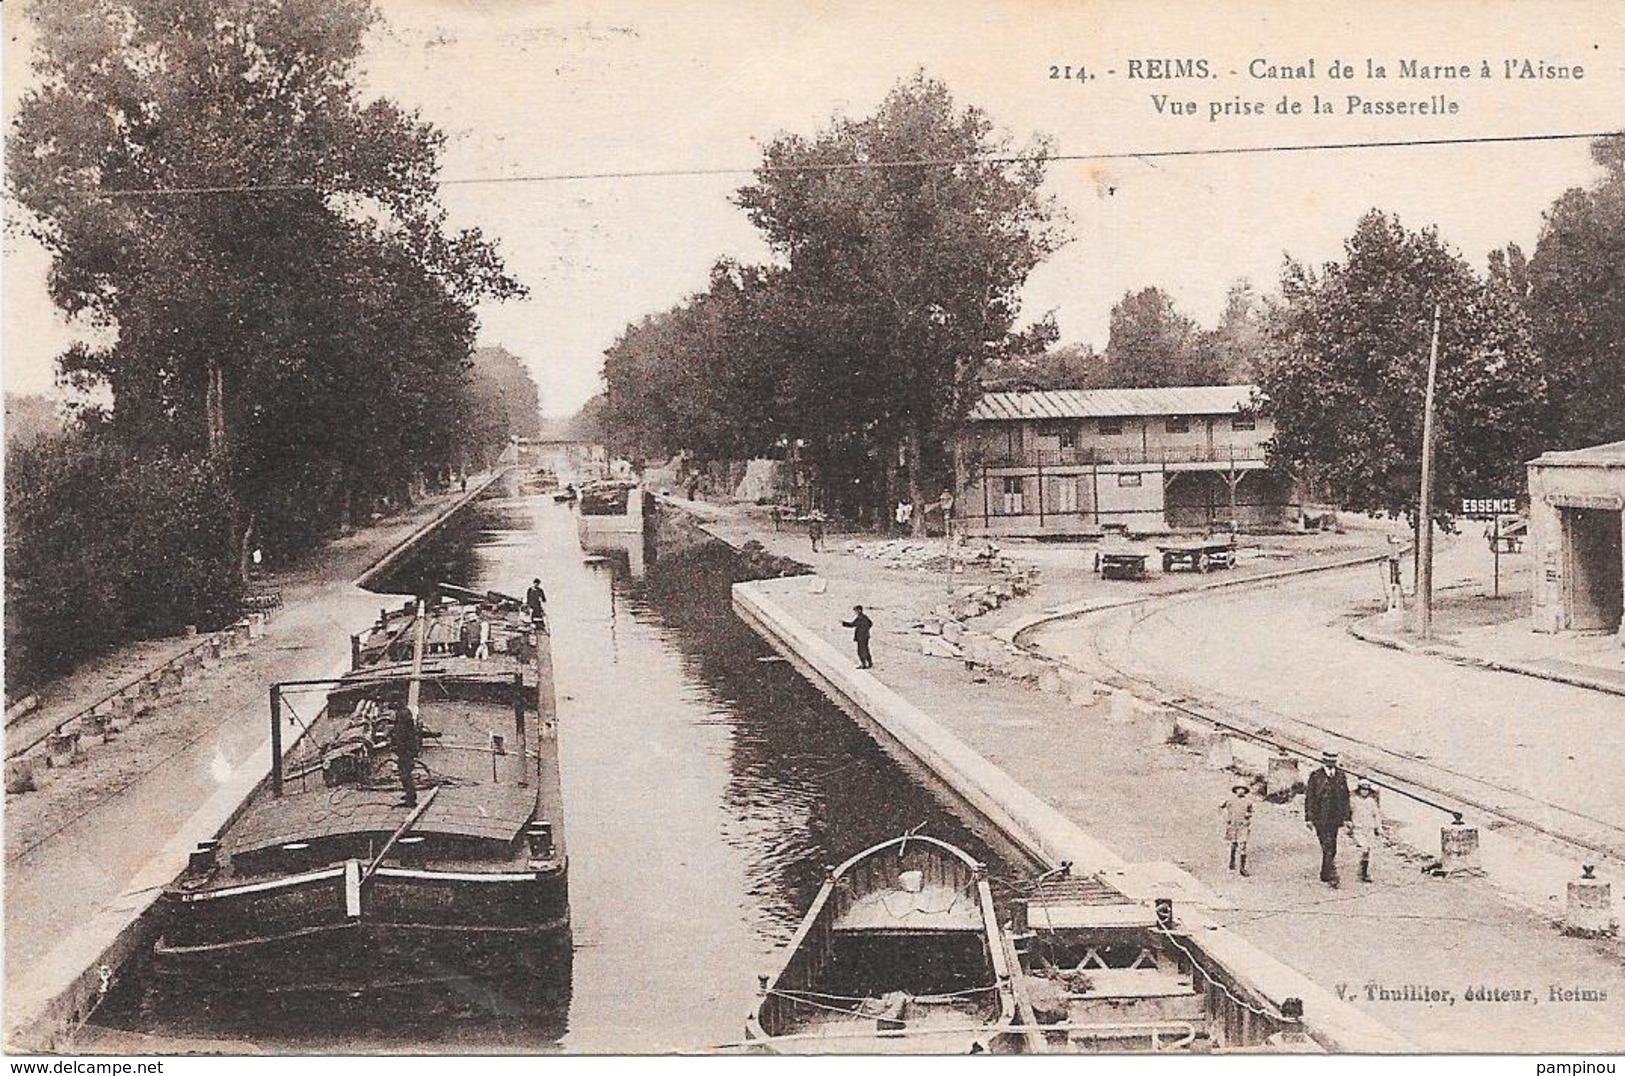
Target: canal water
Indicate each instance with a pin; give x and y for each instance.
(707, 787)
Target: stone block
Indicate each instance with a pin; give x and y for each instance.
(62, 749)
(935, 646)
(952, 630)
(1590, 909)
(1281, 778)
(1458, 849)
(1050, 682)
(1220, 753)
(19, 776)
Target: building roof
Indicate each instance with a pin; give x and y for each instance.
(1611, 454)
(1113, 403)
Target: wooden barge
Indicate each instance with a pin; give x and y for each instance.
(327, 881)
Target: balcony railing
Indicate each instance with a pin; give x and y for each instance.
(1118, 454)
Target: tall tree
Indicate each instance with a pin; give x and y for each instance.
(210, 183)
(1345, 370)
(908, 236)
(1153, 345)
(1577, 304)
(1234, 344)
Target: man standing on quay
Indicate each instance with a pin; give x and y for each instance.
(861, 625)
(1326, 811)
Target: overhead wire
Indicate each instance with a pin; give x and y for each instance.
(1145, 156)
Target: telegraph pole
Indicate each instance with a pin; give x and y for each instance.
(1424, 526)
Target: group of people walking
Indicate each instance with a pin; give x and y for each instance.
(1329, 810)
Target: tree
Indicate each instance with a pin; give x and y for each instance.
(1070, 366)
(1233, 345)
(1345, 370)
(1576, 302)
(907, 237)
(268, 245)
(1154, 345)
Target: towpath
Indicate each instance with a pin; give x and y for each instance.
(1108, 767)
(74, 846)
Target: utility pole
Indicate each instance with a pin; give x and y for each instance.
(1424, 525)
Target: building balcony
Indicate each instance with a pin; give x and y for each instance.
(1248, 456)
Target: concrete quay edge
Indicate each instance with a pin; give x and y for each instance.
(407, 544)
(1362, 631)
(1033, 824)
(65, 988)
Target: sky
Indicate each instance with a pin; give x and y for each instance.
(526, 88)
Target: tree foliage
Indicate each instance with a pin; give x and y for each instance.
(1576, 302)
(103, 545)
(267, 244)
(907, 236)
(1154, 345)
(1345, 373)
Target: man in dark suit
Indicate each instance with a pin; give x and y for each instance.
(861, 626)
(1326, 811)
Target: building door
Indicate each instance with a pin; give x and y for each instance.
(1593, 567)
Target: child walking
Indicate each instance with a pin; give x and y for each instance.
(1238, 823)
(1365, 824)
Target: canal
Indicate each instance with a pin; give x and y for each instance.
(707, 787)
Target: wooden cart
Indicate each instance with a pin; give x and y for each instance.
(1198, 555)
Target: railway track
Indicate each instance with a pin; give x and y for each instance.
(1452, 791)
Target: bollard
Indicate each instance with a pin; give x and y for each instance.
(19, 775)
(61, 748)
(170, 679)
(98, 724)
(1590, 912)
(256, 625)
(1221, 753)
(191, 631)
(148, 689)
(1281, 779)
(1458, 849)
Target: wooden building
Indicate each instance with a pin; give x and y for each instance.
(1142, 461)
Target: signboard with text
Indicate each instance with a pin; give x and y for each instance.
(1488, 507)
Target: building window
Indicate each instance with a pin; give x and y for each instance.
(1129, 478)
(1111, 426)
(1244, 421)
(1012, 497)
(1179, 424)
(1068, 435)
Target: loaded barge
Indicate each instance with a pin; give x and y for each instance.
(339, 876)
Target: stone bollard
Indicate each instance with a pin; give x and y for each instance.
(147, 690)
(256, 625)
(1281, 779)
(19, 775)
(170, 679)
(1590, 911)
(61, 749)
(124, 710)
(1458, 849)
(191, 631)
(98, 725)
(1221, 753)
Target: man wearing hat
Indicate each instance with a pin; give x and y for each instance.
(1326, 810)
